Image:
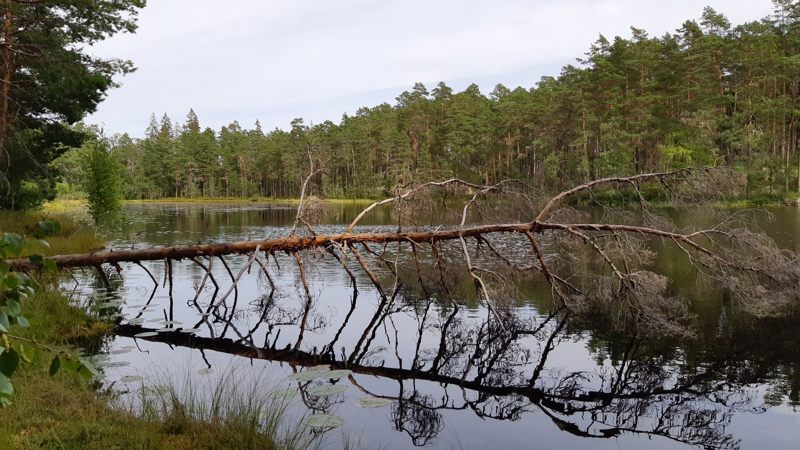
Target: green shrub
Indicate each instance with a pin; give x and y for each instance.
(102, 182)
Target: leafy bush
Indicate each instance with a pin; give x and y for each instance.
(102, 182)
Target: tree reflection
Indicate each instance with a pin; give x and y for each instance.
(417, 415)
(499, 372)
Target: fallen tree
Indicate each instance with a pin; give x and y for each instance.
(598, 262)
(764, 277)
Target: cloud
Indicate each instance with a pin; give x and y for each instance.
(281, 59)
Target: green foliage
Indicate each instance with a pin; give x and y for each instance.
(16, 288)
(73, 236)
(54, 82)
(102, 181)
(709, 94)
(70, 168)
(677, 156)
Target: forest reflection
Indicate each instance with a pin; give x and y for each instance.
(642, 386)
(410, 327)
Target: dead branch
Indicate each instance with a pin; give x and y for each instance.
(634, 180)
(737, 258)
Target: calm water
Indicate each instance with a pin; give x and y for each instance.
(450, 378)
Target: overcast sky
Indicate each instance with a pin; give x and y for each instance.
(275, 60)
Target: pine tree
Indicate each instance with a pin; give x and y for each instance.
(49, 81)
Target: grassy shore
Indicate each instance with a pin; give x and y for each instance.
(75, 237)
(250, 200)
(71, 205)
(67, 411)
(78, 207)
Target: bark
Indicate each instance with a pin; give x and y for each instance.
(747, 264)
(8, 68)
(292, 244)
(289, 244)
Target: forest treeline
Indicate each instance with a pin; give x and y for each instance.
(708, 94)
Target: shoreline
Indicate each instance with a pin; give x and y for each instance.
(80, 412)
(72, 205)
(61, 204)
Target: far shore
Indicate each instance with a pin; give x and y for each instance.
(69, 205)
(61, 204)
(248, 200)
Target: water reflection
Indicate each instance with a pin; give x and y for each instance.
(437, 359)
(504, 373)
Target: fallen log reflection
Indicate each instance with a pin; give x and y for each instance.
(498, 376)
(452, 312)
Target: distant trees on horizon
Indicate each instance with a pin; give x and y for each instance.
(708, 94)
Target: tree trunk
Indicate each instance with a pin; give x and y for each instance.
(8, 68)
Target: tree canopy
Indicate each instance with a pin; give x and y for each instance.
(49, 81)
(710, 93)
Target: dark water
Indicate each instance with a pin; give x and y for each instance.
(453, 377)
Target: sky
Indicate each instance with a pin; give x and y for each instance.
(276, 60)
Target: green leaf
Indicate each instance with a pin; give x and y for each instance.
(24, 280)
(47, 228)
(13, 307)
(3, 266)
(42, 229)
(327, 390)
(36, 259)
(337, 374)
(55, 365)
(374, 402)
(23, 355)
(70, 365)
(23, 322)
(4, 323)
(11, 281)
(9, 361)
(87, 369)
(6, 388)
(14, 242)
(324, 421)
(285, 394)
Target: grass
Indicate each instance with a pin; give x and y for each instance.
(56, 322)
(66, 413)
(248, 200)
(230, 413)
(69, 412)
(615, 198)
(66, 206)
(75, 237)
(72, 206)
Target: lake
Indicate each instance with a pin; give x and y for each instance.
(413, 368)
